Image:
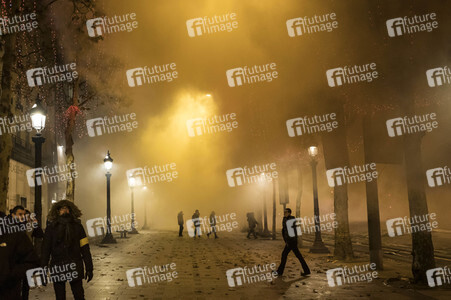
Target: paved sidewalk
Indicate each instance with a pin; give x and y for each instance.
(202, 265)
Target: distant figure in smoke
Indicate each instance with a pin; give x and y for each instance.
(252, 224)
(291, 244)
(180, 220)
(196, 222)
(212, 224)
(65, 242)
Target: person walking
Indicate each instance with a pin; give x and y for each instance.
(291, 244)
(212, 225)
(180, 221)
(196, 221)
(65, 243)
(252, 224)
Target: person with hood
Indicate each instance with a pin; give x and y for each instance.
(212, 224)
(196, 221)
(16, 257)
(291, 244)
(180, 221)
(65, 244)
(252, 224)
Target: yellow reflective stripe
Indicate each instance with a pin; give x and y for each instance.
(84, 242)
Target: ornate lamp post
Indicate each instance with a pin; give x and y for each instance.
(108, 164)
(132, 184)
(38, 117)
(318, 245)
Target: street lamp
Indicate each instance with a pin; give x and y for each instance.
(38, 116)
(108, 164)
(132, 184)
(145, 226)
(318, 245)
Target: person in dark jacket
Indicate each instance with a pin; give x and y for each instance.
(196, 221)
(65, 243)
(180, 221)
(252, 224)
(212, 224)
(35, 234)
(291, 244)
(16, 257)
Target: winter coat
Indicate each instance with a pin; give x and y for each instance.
(16, 257)
(288, 239)
(65, 242)
(196, 220)
(180, 218)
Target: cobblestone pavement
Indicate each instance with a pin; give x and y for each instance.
(201, 265)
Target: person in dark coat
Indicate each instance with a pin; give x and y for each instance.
(34, 235)
(212, 224)
(291, 244)
(252, 224)
(180, 221)
(196, 221)
(65, 243)
(16, 257)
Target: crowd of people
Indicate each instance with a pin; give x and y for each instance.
(24, 246)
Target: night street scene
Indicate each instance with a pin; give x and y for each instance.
(210, 149)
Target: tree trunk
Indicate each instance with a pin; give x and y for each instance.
(6, 110)
(71, 115)
(343, 244)
(422, 247)
(336, 155)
